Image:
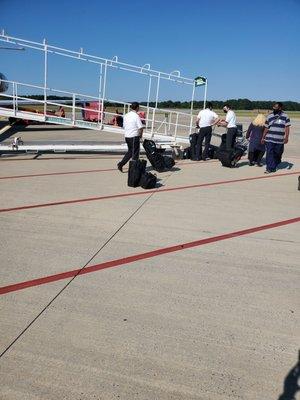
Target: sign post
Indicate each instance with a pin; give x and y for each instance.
(200, 81)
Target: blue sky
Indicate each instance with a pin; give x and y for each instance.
(247, 49)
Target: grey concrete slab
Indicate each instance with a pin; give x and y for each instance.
(47, 241)
(19, 309)
(49, 163)
(74, 186)
(130, 332)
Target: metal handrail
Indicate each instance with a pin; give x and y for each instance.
(105, 64)
(167, 123)
(87, 96)
(91, 58)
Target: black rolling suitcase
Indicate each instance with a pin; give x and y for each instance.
(187, 153)
(229, 158)
(193, 141)
(226, 157)
(241, 146)
(223, 142)
(154, 156)
(136, 169)
(223, 155)
(238, 154)
(212, 151)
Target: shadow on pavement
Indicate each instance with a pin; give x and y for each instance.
(285, 165)
(10, 132)
(291, 384)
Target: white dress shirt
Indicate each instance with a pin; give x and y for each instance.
(207, 117)
(231, 119)
(132, 123)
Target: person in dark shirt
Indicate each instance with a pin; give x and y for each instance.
(61, 112)
(117, 120)
(254, 133)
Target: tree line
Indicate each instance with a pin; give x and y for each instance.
(236, 104)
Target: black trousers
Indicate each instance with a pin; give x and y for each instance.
(204, 134)
(255, 156)
(274, 153)
(230, 138)
(133, 144)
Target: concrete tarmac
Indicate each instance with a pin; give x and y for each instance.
(215, 318)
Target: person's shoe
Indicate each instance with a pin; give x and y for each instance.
(120, 168)
(259, 165)
(251, 164)
(269, 172)
(205, 158)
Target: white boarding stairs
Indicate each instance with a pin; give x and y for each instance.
(160, 125)
(165, 126)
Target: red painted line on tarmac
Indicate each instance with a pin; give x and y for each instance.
(88, 158)
(41, 158)
(18, 159)
(142, 256)
(82, 172)
(144, 192)
(58, 173)
(57, 158)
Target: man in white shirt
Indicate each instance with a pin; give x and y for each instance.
(230, 123)
(133, 127)
(206, 119)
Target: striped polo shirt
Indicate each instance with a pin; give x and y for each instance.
(276, 125)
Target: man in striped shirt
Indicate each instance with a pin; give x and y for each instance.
(275, 136)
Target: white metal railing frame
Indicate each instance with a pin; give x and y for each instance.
(81, 98)
(44, 46)
(174, 76)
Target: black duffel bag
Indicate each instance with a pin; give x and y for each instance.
(212, 151)
(148, 180)
(169, 162)
(193, 142)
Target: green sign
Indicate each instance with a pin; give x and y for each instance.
(200, 80)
